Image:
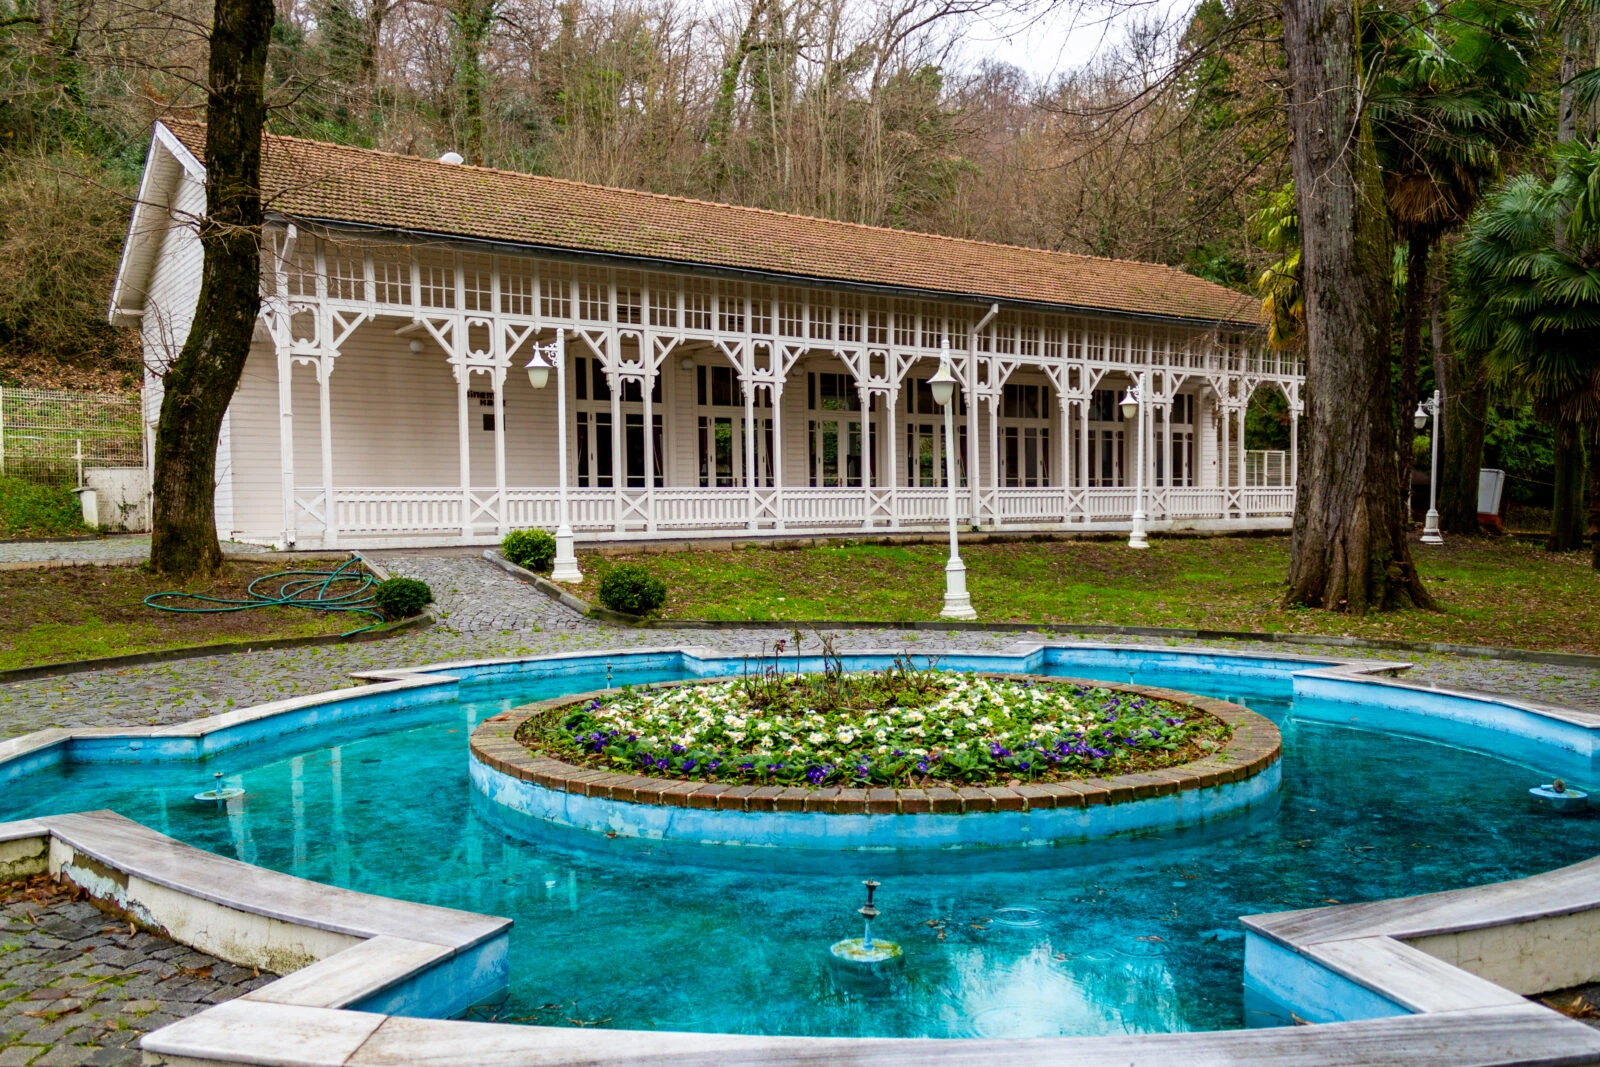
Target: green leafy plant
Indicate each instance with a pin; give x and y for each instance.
(631, 589)
(533, 549)
(401, 598)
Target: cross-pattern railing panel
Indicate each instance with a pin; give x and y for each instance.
(398, 512)
(843, 507)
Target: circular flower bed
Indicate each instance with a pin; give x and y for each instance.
(894, 728)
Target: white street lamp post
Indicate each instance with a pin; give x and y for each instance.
(1133, 405)
(1430, 525)
(957, 604)
(565, 566)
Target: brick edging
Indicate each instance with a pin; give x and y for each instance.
(1254, 746)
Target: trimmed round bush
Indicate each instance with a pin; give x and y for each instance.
(532, 549)
(401, 598)
(632, 590)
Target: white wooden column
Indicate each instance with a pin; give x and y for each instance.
(749, 389)
(463, 444)
(647, 356)
(1294, 442)
(996, 396)
(891, 405)
(498, 378)
(775, 394)
(867, 472)
(330, 524)
(1064, 450)
(619, 452)
(286, 440)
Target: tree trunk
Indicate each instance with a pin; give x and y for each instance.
(1592, 433)
(1566, 515)
(1349, 549)
(1464, 384)
(470, 23)
(1413, 315)
(201, 381)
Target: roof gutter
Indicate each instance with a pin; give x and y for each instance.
(770, 277)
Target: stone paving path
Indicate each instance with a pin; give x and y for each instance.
(78, 987)
(118, 548)
(487, 613)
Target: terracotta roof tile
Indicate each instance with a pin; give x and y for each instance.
(314, 180)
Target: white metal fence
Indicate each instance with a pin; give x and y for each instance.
(53, 435)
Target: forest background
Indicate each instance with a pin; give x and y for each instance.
(1170, 145)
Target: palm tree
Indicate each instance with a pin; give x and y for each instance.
(1528, 284)
(1275, 226)
(1452, 95)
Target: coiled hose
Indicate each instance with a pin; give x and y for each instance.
(323, 590)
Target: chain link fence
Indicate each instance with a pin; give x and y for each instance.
(52, 436)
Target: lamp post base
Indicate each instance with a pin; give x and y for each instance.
(1430, 529)
(564, 568)
(957, 604)
(1136, 537)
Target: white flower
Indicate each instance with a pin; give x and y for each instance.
(817, 738)
(845, 735)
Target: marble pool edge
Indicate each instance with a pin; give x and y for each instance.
(1430, 1010)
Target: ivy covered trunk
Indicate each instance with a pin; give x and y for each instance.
(1463, 379)
(201, 381)
(1592, 434)
(1413, 316)
(1349, 549)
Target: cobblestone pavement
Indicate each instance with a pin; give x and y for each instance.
(78, 986)
(488, 613)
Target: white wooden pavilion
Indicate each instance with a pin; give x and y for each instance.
(728, 371)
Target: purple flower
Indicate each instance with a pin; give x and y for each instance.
(713, 765)
(688, 765)
(747, 766)
(677, 750)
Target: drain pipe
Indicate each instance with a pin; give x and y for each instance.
(972, 410)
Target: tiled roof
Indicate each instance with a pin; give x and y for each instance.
(314, 180)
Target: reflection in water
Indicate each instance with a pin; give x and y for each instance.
(1070, 942)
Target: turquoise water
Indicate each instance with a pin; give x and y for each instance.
(1132, 939)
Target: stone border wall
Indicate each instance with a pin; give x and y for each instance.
(1254, 746)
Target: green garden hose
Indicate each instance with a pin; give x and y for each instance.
(313, 590)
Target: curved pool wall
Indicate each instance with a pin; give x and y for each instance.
(825, 832)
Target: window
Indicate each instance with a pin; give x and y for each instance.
(1174, 451)
(919, 399)
(1025, 435)
(925, 461)
(596, 446)
(721, 436)
(841, 450)
(1107, 438)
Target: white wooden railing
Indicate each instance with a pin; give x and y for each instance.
(634, 512)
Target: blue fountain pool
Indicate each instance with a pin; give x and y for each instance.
(1138, 937)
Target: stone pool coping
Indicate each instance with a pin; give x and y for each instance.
(375, 957)
(1456, 1015)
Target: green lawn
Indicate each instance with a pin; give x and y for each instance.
(72, 613)
(1493, 592)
